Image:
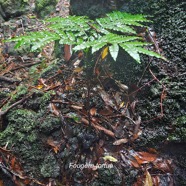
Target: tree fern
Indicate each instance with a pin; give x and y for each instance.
(116, 30)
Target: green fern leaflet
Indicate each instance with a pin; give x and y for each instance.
(117, 31)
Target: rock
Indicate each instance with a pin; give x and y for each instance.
(11, 8)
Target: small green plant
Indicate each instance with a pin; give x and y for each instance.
(115, 31)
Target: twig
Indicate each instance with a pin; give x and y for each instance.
(11, 80)
(26, 65)
(13, 105)
(162, 97)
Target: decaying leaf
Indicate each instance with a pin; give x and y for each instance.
(110, 158)
(54, 144)
(148, 179)
(120, 141)
(145, 157)
(93, 111)
(53, 109)
(39, 86)
(134, 163)
(163, 165)
(78, 69)
(104, 53)
(106, 111)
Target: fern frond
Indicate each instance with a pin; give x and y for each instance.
(135, 48)
(114, 31)
(119, 21)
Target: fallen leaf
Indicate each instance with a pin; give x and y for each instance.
(53, 109)
(148, 156)
(1, 183)
(122, 104)
(163, 165)
(120, 141)
(54, 144)
(78, 69)
(77, 107)
(39, 87)
(148, 179)
(106, 112)
(93, 111)
(42, 82)
(104, 53)
(110, 158)
(156, 180)
(134, 163)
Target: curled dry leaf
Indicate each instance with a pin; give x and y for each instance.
(53, 109)
(120, 141)
(54, 144)
(93, 111)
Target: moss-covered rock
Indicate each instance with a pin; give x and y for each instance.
(50, 167)
(13, 8)
(179, 133)
(45, 7)
(29, 137)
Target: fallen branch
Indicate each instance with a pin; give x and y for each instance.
(13, 105)
(2, 113)
(26, 65)
(11, 80)
(98, 127)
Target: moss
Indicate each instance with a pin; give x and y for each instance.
(179, 133)
(50, 167)
(22, 121)
(49, 70)
(20, 91)
(49, 124)
(109, 176)
(45, 7)
(45, 99)
(14, 8)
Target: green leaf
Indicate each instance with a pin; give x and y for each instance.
(98, 46)
(131, 51)
(114, 49)
(150, 53)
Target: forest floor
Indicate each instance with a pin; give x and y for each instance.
(65, 125)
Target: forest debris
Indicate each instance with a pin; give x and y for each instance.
(120, 141)
(148, 179)
(101, 128)
(11, 80)
(7, 69)
(110, 158)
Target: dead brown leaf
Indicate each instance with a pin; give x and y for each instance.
(53, 109)
(93, 111)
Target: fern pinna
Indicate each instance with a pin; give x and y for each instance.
(116, 30)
